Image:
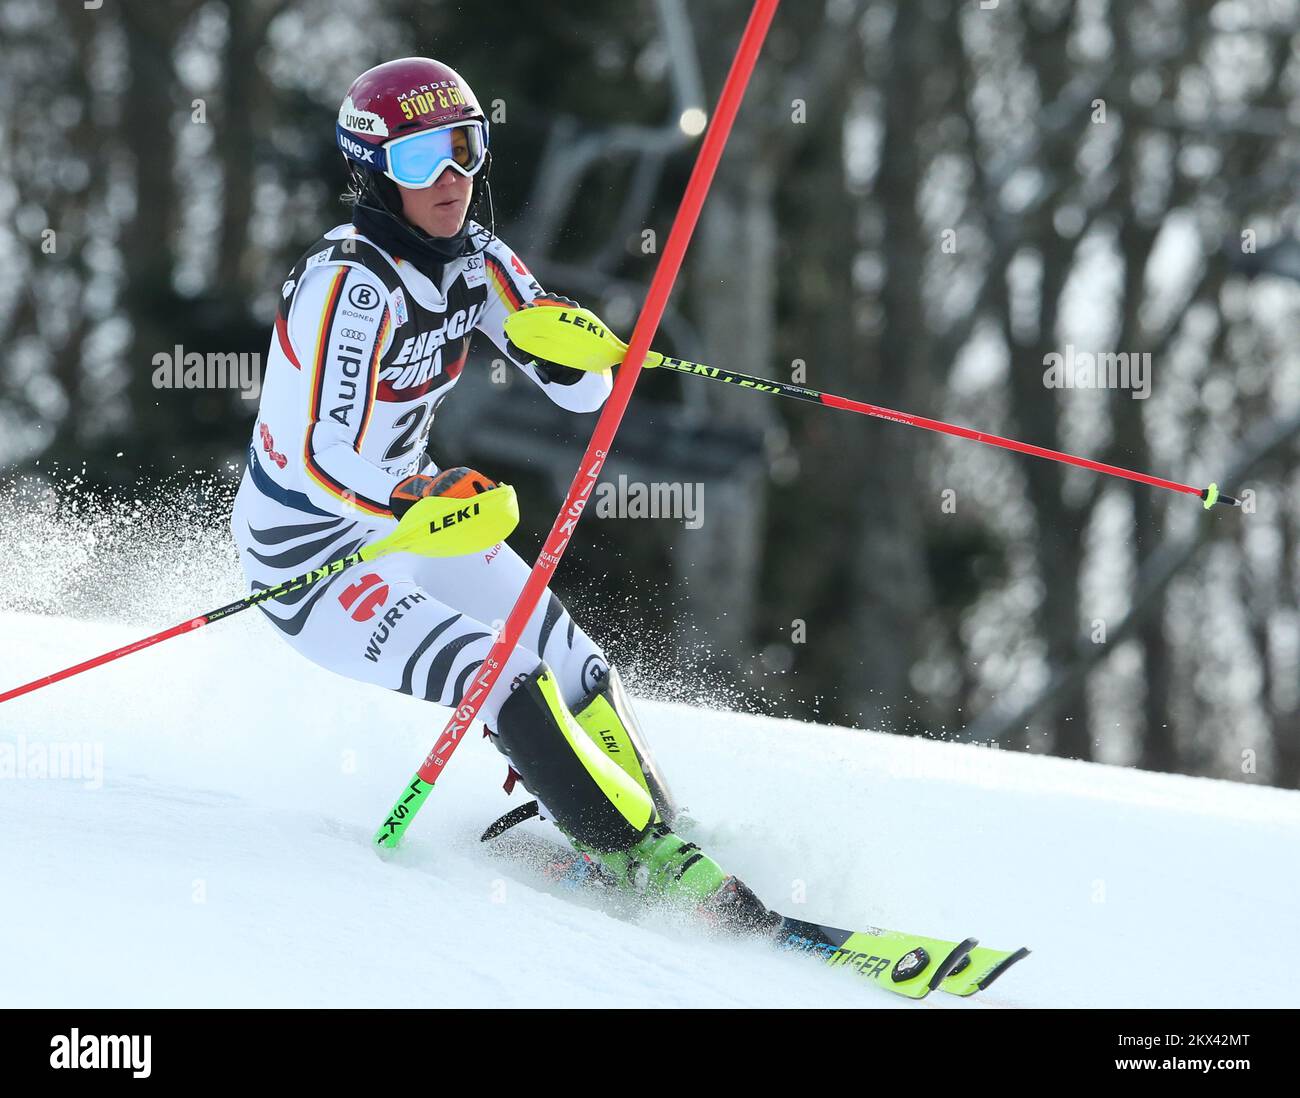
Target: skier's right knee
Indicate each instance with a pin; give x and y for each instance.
(592, 798)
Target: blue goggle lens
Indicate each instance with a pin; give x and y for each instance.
(420, 159)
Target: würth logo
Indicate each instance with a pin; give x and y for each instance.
(365, 597)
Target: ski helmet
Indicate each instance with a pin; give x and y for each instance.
(403, 123)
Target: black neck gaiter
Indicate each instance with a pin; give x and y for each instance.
(428, 254)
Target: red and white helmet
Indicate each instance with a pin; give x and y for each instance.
(410, 120)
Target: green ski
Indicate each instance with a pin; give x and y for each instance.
(905, 964)
(979, 968)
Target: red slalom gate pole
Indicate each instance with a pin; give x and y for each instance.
(417, 791)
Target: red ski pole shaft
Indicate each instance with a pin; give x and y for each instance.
(422, 529)
(265, 595)
(107, 657)
(417, 790)
(1210, 495)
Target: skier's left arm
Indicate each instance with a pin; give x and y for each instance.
(511, 286)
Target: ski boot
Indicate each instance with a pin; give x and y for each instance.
(663, 866)
(595, 775)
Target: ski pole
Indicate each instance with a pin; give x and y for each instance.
(438, 526)
(421, 785)
(577, 338)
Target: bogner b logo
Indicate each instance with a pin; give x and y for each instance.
(363, 297)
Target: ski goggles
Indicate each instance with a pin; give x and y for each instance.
(418, 159)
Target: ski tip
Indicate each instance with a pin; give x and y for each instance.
(952, 961)
(1019, 955)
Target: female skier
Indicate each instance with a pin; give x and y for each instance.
(371, 336)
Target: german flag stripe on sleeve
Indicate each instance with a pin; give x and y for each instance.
(373, 375)
(333, 487)
(503, 284)
(323, 339)
(282, 334)
(314, 469)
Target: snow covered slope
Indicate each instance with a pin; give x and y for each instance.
(222, 855)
